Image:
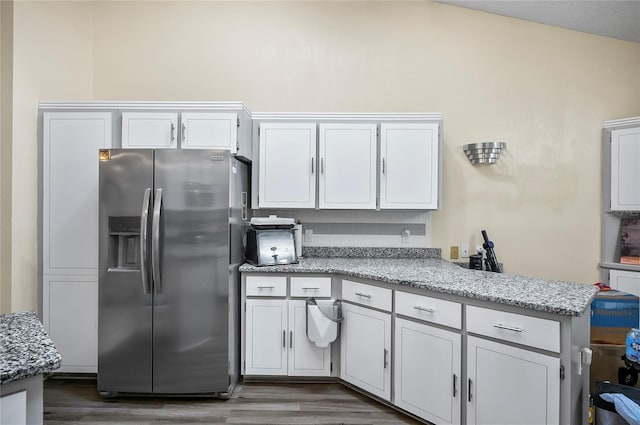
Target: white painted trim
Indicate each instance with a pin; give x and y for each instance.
(135, 105)
(621, 122)
(350, 116)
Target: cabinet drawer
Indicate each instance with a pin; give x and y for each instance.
(266, 286)
(526, 330)
(371, 296)
(311, 287)
(447, 313)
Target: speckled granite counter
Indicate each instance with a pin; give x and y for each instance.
(435, 274)
(25, 348)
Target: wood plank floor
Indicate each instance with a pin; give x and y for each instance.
(76, 401)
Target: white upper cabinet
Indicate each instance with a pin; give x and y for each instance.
(409, 161)
(347, 166)
(200, 130)
(625, 169)
(70, 145)
(142, 130)
(287, 165)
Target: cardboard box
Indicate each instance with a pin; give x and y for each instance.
(613, 314)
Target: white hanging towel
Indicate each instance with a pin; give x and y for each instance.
(321, 329)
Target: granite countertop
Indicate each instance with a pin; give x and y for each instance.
(438, 275)
(25, 348)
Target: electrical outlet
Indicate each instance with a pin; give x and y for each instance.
(453, 253)
(406, 236)
(308, 235)
(464, 250)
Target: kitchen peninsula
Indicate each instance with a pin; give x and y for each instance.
(26, 353)
(423, 334)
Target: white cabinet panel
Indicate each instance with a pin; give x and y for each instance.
(365, 356)
(149, 130)
(369, 295)
(625, 281)
(409, 161)
(625, 169)
(13, 408)
(510, 385)
(304, 357)
(287, 165)
(429, 309)
(427, 371)
(209, 130)
(70, 316)
(316, 287)
(348, 159)
(266, 286)
(265, 338)
(71, 141)
(518, 328)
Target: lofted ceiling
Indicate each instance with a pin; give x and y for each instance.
(610, 18)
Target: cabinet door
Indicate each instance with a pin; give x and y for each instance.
(305, 358)
(508, 385)
(365, 349)
(70, 316)
(152, 130)
(70, 144)
(265, 333)
(625, 169)
(287, 165)
(348, 166)
(209, 130)
(409, 166)
(13, 408)
(427, 371)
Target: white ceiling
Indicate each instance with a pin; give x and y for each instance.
(610, 18)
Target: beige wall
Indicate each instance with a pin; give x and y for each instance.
(6, 99)
(53, 59)
(543, 90)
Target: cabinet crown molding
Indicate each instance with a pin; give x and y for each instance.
(621, 122)
(144, 105)
(347, 116)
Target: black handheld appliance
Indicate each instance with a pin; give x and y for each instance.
(491, 260)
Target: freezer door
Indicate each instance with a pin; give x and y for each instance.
(191, 238)
(124, 296)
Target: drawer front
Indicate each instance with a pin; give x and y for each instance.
(315, 287)
(266, 286)
(526, 330)
(446, 313)
(371, 296)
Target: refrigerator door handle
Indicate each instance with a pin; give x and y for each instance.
(155, 242)
(144, 226)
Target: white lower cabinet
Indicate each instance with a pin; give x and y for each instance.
(427, 371)
(509, 385)
(276, 341)
(74, 328)
(365, 350)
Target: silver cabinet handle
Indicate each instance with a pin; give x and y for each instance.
(321, 165)
(284, 339)
(184, 132)
(508, 328)
(428, 310)
(290, 339)
(469, 391)
(144, 228)
(383, 166)
(310, 289)
(265, 287)
(386, 363)
(155, 242)
(454, 385)
(360, 294)
(312, 161)
(173, 131)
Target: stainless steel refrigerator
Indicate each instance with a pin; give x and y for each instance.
(171, 224)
